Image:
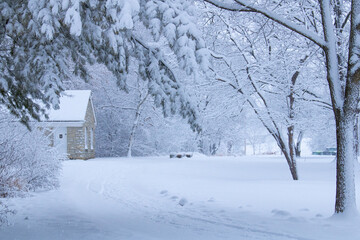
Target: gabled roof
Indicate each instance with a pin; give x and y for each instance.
(73, 105)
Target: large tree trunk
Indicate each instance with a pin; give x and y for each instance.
(356, 135)
(345, 178)
(345, 116)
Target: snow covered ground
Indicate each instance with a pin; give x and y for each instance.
(197, 198)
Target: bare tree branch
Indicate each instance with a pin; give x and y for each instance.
(243, 5)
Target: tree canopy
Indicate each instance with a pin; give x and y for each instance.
(43, 42)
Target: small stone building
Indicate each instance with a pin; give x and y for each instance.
(71, 128)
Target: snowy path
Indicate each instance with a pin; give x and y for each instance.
(199, 198)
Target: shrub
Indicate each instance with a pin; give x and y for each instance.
(27, 162)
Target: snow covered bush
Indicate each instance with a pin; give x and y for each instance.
(4, 212)
(27, 162)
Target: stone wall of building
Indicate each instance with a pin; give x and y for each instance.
(75, 143)
(77, 148)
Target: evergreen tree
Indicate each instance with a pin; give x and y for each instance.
(44, 42)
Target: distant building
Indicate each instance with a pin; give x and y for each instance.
(71, 128)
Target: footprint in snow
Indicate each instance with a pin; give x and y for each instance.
(296, 219)
(164, 192)
(174, 197)
(182, 202)
(211, 200)
(280, 213)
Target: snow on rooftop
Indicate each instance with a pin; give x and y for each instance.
(73, 105)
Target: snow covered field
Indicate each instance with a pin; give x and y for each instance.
(197, 198)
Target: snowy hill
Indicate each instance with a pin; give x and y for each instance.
(197, 198)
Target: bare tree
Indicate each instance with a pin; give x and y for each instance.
(142, 98)
(268, 73)
(344, 88)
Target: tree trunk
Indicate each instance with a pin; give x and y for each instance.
(288, 153)
(291, 161)
(132, 133)
(291, 154)
(345, 119)
(345, 178)
(298, 144)
(135, 124)
(229, 147)
(293, 167)
(356, 135)
(245, 146)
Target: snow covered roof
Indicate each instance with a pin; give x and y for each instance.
(73, 105)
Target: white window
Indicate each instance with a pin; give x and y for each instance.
(91, 138)
(86, 138)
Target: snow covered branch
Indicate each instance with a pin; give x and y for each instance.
(242, 5)
(164, 86)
